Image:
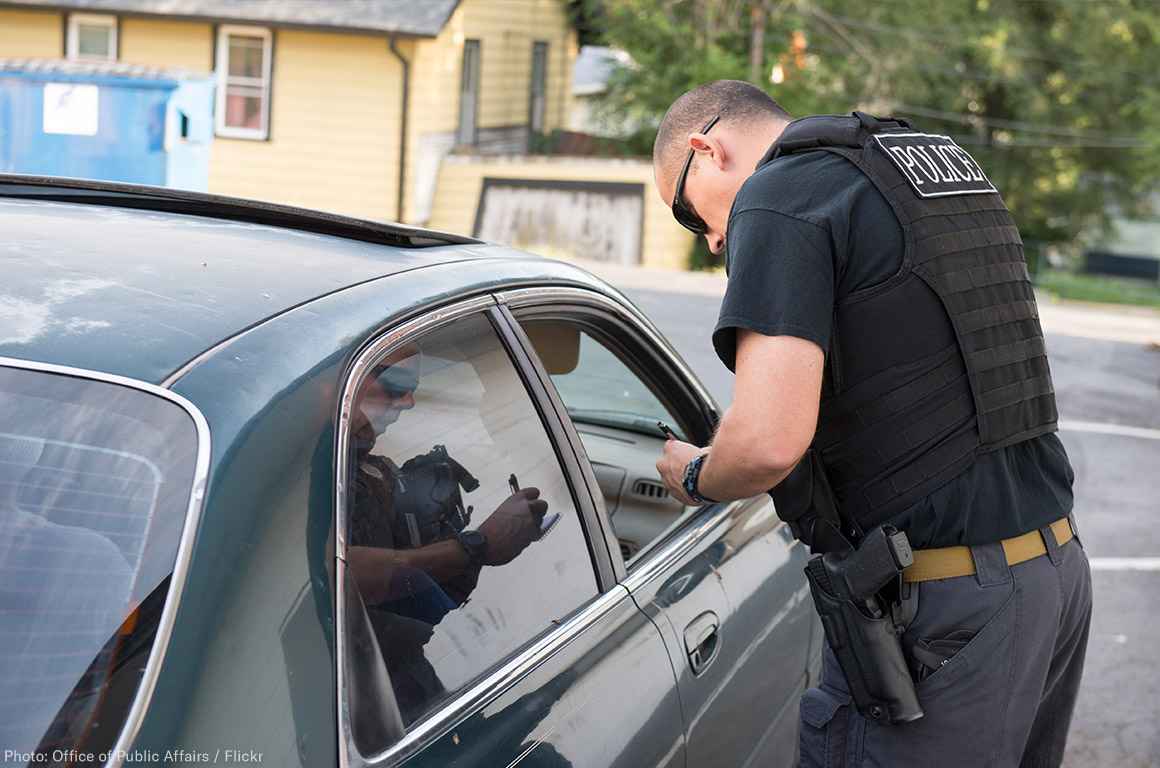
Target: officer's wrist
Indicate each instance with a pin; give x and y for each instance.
(473, 544)
(692, 476)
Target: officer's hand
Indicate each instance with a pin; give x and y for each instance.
(671, 467)
(513, 525)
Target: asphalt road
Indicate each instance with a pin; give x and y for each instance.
(1102, 386)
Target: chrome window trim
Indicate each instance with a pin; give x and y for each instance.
(686, 538)
(620, 306)
(377, 349)
(500, 678)
(148, 682)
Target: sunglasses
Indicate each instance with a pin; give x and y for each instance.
(397, 380)
(684, 214)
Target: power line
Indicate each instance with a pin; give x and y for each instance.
(1100, 139)
(960, 74)
(941, 37)
(963, 73)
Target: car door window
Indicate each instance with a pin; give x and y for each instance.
(615, 411)
(441, 431)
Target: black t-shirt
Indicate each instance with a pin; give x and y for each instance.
(810, 227)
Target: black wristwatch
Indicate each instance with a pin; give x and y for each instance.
(692, 475)
(474, 544)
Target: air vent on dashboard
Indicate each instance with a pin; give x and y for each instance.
(650, 489)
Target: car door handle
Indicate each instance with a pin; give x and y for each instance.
(702, 641)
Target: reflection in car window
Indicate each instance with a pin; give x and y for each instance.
(95, 483)
(441, 430)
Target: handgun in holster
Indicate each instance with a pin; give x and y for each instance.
(856, 591)
(862, 624)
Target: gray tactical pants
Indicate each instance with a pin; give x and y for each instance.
(1003, 698)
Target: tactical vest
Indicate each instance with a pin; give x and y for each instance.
(934, 366)
(411, 506)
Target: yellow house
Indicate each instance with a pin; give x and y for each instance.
(354, 105)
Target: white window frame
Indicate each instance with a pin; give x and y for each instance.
(72, 38)
(223, 77)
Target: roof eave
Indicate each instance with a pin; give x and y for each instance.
(207, 19)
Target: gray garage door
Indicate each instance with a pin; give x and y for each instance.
(600, 221)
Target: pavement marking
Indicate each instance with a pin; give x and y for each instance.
(1125, 563)
(1106, 428)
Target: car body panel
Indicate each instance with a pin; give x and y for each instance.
(138, 293)
(607, 699)
(744, 570)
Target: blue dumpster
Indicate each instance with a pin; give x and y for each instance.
(106, 120)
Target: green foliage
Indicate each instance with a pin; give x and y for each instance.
(1058, 99)
(1079, 287)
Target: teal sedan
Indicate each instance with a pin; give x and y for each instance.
(289, 488)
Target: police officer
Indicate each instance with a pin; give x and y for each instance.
(890, 369)
(411, 552)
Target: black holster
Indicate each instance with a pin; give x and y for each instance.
(861, 618)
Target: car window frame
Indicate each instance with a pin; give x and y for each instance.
(498, 678)
(143, 695)
(667, 371)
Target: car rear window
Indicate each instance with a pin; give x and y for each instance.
(95, 485)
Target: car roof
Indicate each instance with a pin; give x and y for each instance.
(137, 281)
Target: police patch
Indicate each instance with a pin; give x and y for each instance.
(934, 165)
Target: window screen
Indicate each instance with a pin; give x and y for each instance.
(91, 36)
(441, 432)
(95, 482)
(94, 41)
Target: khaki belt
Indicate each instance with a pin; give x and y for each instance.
(950, 562)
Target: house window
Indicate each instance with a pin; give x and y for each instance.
(91, 37)
(539, 95)
(243, 82)
(469, 93)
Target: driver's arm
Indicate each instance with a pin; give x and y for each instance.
(374, 566)
(509, 530)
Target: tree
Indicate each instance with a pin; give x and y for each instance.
(1058, 99)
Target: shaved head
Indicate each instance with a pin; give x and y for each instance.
(736, 101)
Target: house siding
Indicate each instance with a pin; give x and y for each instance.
(31, 34)
(163, 43)
(506, 30)
(334, 129)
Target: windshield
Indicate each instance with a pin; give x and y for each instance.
(95, 482)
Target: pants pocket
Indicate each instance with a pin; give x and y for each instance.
(826, 731)
(981, 657)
